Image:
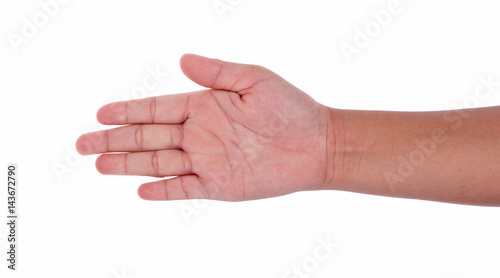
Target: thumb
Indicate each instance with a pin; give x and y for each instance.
(221, 75)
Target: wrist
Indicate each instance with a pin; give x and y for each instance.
(343, 148)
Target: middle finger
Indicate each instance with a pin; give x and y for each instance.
(132, 138)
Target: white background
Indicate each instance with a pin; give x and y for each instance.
(75, 222)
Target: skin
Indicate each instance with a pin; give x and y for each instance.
(253, 135)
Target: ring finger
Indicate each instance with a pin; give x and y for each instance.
(155, 163)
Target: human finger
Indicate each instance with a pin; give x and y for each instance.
(155, 163)
(178, 188)
(167, 109)
(132, 138)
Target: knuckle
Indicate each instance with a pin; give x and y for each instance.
(185, 162)
(155, 164)
(152, 110)
(180, 136)
(139, 137)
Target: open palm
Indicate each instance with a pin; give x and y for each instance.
(250, 135)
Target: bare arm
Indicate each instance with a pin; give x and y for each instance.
(449, 156)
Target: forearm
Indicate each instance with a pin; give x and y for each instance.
(448, 156)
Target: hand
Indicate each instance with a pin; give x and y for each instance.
(250, 135)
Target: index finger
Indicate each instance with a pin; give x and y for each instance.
(167, 109)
